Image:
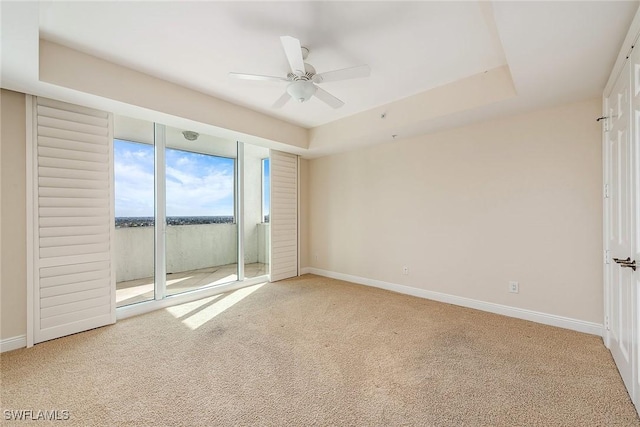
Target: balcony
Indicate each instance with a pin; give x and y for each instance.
(196, 256)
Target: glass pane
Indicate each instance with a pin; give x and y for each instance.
(201, 234)
(256, 211)
(134, 212)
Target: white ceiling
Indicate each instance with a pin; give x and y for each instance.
(556, 51)
(411, 47)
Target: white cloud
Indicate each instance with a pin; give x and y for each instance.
(133, 190)
(196, 185)
(192, 194)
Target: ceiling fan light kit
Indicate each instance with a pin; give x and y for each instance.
(301, 90)
(303, 76)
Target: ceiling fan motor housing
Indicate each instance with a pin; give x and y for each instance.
(309, 72)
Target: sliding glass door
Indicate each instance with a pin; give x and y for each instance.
(201, 223)
(192, 211)
(256, 210)
(135, 220)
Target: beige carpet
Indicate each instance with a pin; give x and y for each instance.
(316, 351)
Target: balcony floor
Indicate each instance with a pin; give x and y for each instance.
(132, 291)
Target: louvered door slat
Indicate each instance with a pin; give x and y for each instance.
(61, 251)
(72, 192)
(72, 173)
(52, 242)
(75, 286)
(74, 259)
(73, 221)
(284, 215)
(70, 212)
(73, 126)
(93, 202)
(72, 136)
(72, 269)
(72, 164)
(70, 154)
(68, 279)
(45, 141)
(66, 114)
(78, 296)
(86, 319)
(73, 231)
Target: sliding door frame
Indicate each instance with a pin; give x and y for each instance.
(239, 202)
(160, 220)
(162, 300)
(32, 220)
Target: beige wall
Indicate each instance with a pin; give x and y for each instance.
(13, 259)
(469, 209)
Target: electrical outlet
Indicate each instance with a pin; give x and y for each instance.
(514, 287)
(405, 270)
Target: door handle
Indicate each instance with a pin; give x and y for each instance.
(626, 263)
(631, 265)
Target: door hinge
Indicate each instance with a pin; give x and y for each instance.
(606, 323)
(606, 191)
(607, 256)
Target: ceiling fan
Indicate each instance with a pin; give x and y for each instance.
(303, 80)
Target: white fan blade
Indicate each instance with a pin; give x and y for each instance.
(327, 98)
(293, 51)
(344, 74)
(257, 77)
(282, 100)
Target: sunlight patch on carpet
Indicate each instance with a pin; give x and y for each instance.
(223, 280)
(181, 310)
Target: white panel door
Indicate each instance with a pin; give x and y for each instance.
(621, 211)
(284, 215)
(73, 225)
(635, 219)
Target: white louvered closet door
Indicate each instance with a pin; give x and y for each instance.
(284, 215)
(73, 280)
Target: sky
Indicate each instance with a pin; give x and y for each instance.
(197, 184)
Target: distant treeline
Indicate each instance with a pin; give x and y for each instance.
(145, 221)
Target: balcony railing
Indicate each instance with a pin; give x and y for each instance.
(200, 250)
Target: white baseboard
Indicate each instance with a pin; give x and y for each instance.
(13, 343)
(305, 270)
(505, 310)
